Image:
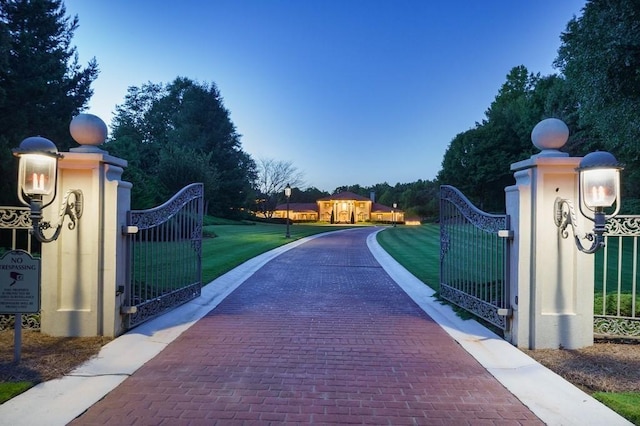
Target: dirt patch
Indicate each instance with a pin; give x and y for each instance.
(603, 367)
(44, 357)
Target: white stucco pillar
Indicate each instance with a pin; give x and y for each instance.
(552, 283)
(82, 269)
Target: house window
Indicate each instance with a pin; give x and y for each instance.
(379, 216)
(362, 205)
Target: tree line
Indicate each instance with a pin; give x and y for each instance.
(180, 132)
(596, 93)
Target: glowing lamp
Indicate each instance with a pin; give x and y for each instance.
(37, 178)
(598, 189)
(37, 169)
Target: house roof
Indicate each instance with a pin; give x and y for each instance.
(345, 195)
(299, 207)
(381, 208)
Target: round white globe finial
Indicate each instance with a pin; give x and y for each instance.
(549, 135)
(89, 131)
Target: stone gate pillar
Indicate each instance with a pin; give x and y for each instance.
(552, 283)
(83, 269)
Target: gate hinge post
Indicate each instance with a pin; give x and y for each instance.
(128, 310)
(506, 233)
(504, 312)
(128, 230)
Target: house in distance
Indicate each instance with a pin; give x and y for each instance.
(343, 207)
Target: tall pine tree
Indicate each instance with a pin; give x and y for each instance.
(42, 85)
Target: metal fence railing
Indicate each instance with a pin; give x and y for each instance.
(617, 301)
(15, 223)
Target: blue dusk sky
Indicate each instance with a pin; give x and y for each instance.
(350, 91)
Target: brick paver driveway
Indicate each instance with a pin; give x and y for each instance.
(321, 334)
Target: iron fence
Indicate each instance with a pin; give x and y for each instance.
(617, 302)
(15, 223)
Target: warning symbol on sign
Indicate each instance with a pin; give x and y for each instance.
(15, 276)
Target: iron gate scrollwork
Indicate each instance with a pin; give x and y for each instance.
(474, 258)
(164, 255)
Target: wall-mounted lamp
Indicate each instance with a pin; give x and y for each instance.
(37, 178)
(598, 189)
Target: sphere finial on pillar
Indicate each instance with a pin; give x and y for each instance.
(549, 136)
(89, 131)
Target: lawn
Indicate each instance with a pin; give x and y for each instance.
(627, 404)
(417, 248)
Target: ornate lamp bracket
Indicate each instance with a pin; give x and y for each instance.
(71, 208)
(565, 216)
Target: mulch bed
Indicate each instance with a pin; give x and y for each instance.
(603, 367)
(44, 357)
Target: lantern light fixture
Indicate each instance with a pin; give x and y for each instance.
(287, 193)
(598, 189)
(393, 214)
(37, 178)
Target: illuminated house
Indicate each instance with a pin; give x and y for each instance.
(343, 207)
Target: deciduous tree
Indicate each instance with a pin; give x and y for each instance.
(272, 177)
(177, 134)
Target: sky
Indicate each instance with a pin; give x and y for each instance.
(348, 91)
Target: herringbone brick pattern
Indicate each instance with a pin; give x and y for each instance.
(320, 335)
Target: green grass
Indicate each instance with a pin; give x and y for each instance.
(619, 251)
(615, 272)
(417, 248)
(616, 305)
(627, 404)
(9, 390)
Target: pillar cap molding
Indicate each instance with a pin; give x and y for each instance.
(538, 161)
(74, 157)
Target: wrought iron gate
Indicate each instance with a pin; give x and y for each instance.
(474, 258)
(164, 255)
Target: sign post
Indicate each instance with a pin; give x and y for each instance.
(19, 290)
